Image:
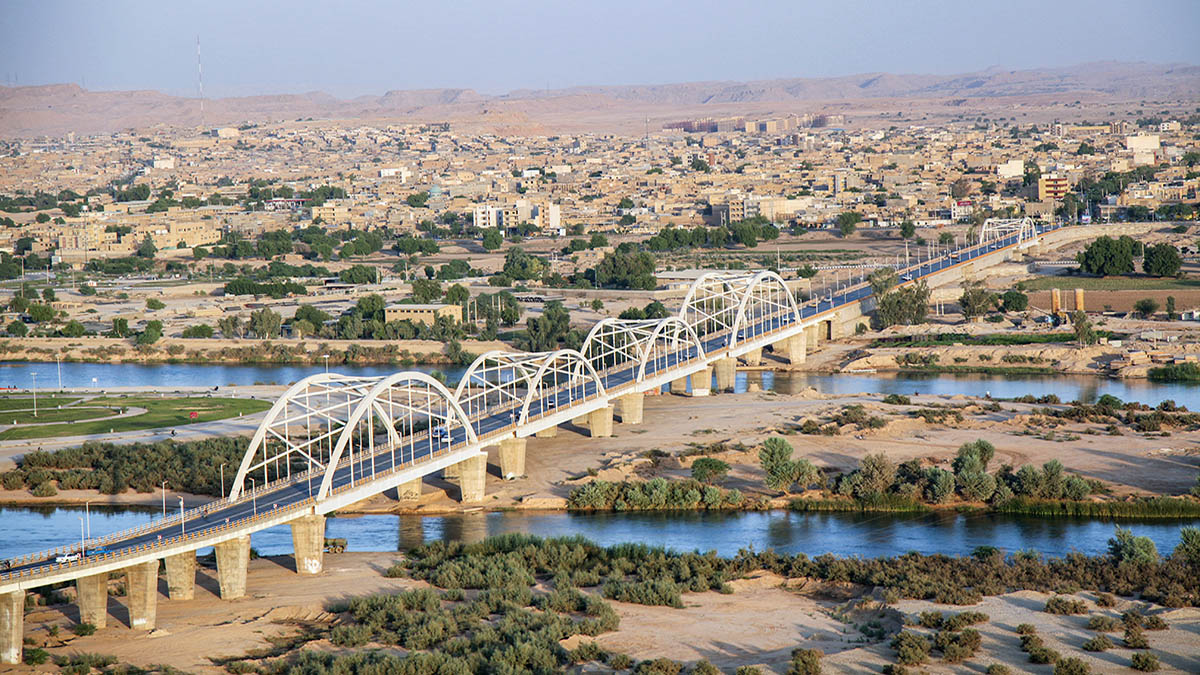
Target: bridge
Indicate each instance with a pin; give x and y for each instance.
(333, 440)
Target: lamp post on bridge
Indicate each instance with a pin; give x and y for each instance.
(164, 499)
(253, 497)
(181, 532)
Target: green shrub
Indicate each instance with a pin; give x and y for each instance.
(703, 667)
(805, 662)
(998, 669)
(1135, 638)
(1155, 622)
(708, 470)
(658, 667)
(1026, 629)
(1071, 666)
(1103, 623)
(897, 399)
(930, 620)
(84, 629)
(45, 489)
(960, 621)
(1043, 655)
(1098, 644)
(1060, 604)
(1144, 661)
(911, 648)
(36, 656)
(1105, 600)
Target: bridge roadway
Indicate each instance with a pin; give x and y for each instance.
(293, 497)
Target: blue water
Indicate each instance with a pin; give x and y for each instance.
(24, 530)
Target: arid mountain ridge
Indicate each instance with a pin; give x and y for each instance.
(57, 109)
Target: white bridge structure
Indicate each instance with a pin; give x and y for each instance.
(333, 440)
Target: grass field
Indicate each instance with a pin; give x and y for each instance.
(72, 414)
(160, 412)
(1136, 283)
(23, 402)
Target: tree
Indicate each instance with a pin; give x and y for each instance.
(1172, 315)
(908, 230)
(848, 221)
(425, 291)
(48, 295)
(883, 280)
(1085, 149)
(945, 239)
(147, 249)
(151, 334)
(1124, 547)
(700, 165)
(417, 199)
(1107, 256)
(1085, 332)
(960, 188)
(18, 329)
(230, 326)
(1162, 260)
(457, 294)
(522, 266)
(625, 203)
(543, 333)
(73, 329)
(200, 330)
(708, 470)
(976, 300)
(265, 323)
(904, 306)
(492, 239)
(120, 327)
(41, 313)
(775, 457)
(1014, 301)
(154, 304)
(1146, 307)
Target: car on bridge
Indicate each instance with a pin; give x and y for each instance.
(67, 558)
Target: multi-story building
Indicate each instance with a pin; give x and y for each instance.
(544, 216)
(1052, 187)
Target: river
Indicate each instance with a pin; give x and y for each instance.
(24, 530)
(1068, 387)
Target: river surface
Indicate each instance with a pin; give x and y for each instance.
(1068, 387)
(25, 530)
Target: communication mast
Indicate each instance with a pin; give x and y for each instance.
(200, 80)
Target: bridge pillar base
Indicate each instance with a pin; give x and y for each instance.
(512, 458)
(472, 475)
(409, 490)
(702, 382)
(726, 374)
(91, 594)
(181, 575)
(141, 594)
(679, 387)
(794, 350)
(12, 626)
(630, 407)
(233, 558)
(548, 432)
(581, 421)
(812, 334)
(600, 422)
(753, 357)
(450, 472)
(308, 544)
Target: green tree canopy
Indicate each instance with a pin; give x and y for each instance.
(1162, 260)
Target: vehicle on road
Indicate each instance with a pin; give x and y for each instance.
(67, 558)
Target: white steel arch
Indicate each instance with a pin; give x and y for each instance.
(431, 422)
(300, 427)
(995, 229)
(553, 392)
(662, 348)
(505, 383)
(766, 301)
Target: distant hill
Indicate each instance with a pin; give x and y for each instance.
(57, 109)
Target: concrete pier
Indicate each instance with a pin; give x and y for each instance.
(548, 432)
(726, 370)
(181, 575)
(472, 476)
(702, 382)
(794, 349)
(512, 458)
(812, 334)
(600, 422)
(141, 594)
(629, 408)
(91, 594)
(12, 626)
(308, 544)
(679, 386)
(233, 557)
(409, 490)
(753, 357)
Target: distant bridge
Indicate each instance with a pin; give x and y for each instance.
(333, 440)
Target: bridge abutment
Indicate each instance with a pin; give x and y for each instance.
(512, 458)
(726, 370)
(410, 490)
(548, 432)
(679, 386)
(141, 594)
(472, 476)
(308, 544)
(600, 422)
(12, 626)
(753, 357)
(233, 559)
(91, 595)
(629, 408)
(181, 575)
(702, 382)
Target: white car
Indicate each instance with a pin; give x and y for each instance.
(67, 558)
(444, 435)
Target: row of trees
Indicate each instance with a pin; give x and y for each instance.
(1109, 257)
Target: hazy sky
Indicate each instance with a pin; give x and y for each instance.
(353, 47)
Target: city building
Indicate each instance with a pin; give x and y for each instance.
(1052, 187)
(424, 314)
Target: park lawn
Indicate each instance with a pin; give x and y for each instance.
(1133, 283)
(26, 402)
(72, 414)
(160, 412)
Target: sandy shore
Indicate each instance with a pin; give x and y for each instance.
(758, 624)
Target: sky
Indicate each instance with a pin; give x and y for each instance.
(367, 47)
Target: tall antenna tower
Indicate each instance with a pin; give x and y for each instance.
(200, 80)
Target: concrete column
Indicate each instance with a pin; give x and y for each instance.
(233, 558)
(726, 374)
(91, 594)
(409, 490)
(548, 432)
(753, 357)
(472, 475)
(581, 421)
(629, 408)
(512, 458)
(702, 382)
(813, 335)
(600, 422)
(679, 386)
(12, 626)
(308, 544)
(450, 472)
(181, 575)
(794, 349)
(141, 594)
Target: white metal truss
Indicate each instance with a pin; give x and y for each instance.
(738, 306)
(620, 349)
(502, 389)
(995, 229)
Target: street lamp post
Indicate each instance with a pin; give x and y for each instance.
(222, 480)
(34, 375)
(82, 542)
(253, 497)
(181, 532)
(326, 357)
(87, 512)
(164, 499)
(58, 362)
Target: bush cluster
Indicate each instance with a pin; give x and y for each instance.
(655, 494)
